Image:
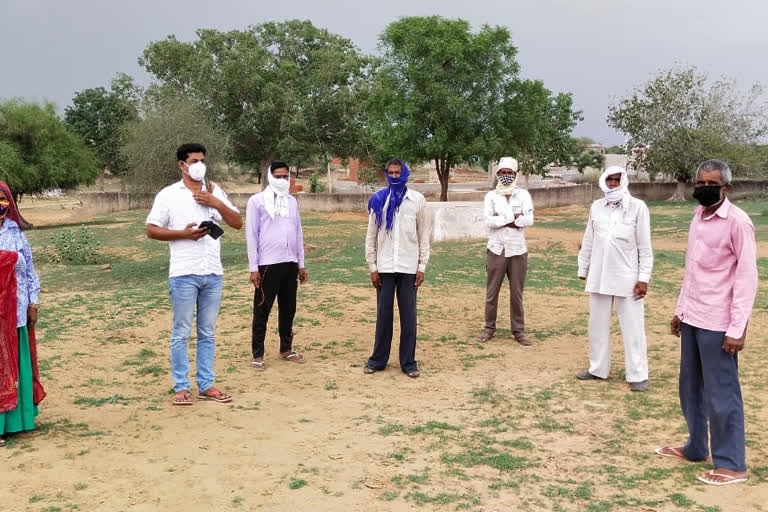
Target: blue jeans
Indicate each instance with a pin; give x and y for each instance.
(710, 392)
(186, 292)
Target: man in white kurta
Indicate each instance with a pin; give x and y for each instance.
(616, 260)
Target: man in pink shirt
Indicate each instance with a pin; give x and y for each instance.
(711, 318)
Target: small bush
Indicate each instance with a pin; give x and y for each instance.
(369, 177)
(73, 248)
(314, 184)
(592, 176)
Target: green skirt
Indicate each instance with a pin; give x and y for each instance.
(23, 416)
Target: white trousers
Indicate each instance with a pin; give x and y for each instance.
(631, 314)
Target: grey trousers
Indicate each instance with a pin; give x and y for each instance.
(514, 267)
(710, 390)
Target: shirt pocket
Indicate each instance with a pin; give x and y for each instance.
(408, 226)
(711, 258)
(624, 231)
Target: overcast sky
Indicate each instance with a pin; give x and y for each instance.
(597, 49)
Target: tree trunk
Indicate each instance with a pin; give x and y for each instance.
(443, 173)
(330, 181)
(263, 170)
(523, 183)
(491, 176)
(679, 195)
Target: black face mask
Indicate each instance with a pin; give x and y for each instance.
(707, 196)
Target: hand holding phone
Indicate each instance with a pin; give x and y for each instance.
(214, 230)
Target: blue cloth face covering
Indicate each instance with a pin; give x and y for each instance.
(396, 193)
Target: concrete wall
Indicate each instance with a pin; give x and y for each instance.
(458, 220)
(553, 197)
(110, 202)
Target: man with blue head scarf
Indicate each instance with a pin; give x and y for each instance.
(397, 251)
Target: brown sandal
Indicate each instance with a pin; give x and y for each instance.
(215, 395)
(182, 398)
(294, 357)
(484, 337)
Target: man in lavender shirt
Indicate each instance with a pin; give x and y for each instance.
(276, 258)
(719, 288)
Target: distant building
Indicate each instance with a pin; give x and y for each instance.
(597, 147)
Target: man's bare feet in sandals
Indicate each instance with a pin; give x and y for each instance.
(293, 357)
(182, 397)
(722, 476)
(671, 451)
(215, 395)
(258, 364)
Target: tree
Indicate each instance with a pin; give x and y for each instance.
(97, 114)
(39, 152)
(285, 90)
(616, 149)
(681, 119)
(589, 158)
(535, 126)
(149, 144)
(435, 89)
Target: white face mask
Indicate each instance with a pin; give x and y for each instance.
(614, 194)
(196, 171)
(280, 186)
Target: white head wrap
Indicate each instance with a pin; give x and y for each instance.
(276, 195)
(506, 189)
(613, 195)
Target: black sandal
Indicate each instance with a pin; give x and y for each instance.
(369, 370)
(413, 373)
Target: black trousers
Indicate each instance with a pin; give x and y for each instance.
(277, 281)
(402, 285)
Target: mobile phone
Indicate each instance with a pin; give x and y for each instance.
(214, 230)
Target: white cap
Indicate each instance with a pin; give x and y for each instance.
(507, 162)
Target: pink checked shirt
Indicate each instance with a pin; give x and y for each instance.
(720, 280)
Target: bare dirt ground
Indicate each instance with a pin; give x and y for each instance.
(497, 427)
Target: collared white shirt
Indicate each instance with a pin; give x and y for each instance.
(174, 208)
(404, 249)
(499, 212)
(616, 249)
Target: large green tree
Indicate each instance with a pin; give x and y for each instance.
(435, 89)
(680, 118)
(38, 151)
(97, 114)
(285, 90)
(535, 125)
(149, 144)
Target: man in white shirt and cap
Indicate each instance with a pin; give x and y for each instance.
(616, 260)
(507, 210)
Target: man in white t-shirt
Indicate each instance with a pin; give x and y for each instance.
(508, 210)
(195, 272)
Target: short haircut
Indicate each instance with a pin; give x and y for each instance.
(394, 161)
(190, 147)
(714, 164)
(278, 165)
